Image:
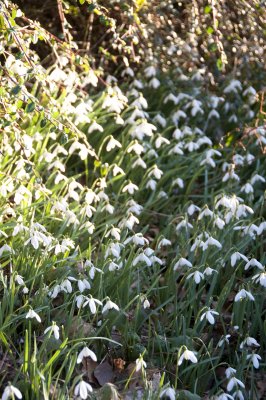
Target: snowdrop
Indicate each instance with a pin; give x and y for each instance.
(209, 315)
(242, 294)
(32, 314)
(187, 355)
(113, 143)
(224, 339)
(83, 389)
(83, 285)
(229, 372)
(253, 263)
(140, 364)
(86, 352)
(197, 276)
(168, 393)
(109, 305)
(164, 242)
(237, 256)
(142, 258)
(154, 83)
(234, 382)
(182, 262)
(255, 359)
(53, 329)
(11, 392)
(92, 304)
(130, 188)
(249, 341)
(260, 278)
(192, 209)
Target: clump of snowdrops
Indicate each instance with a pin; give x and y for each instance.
(131, 227)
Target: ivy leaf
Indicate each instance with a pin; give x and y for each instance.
(30, 107)
(16, 90)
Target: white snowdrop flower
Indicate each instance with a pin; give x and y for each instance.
(238, 159)
(92, 304)
(138, 239)
(196, 107)
(109, 208)
(178, 134)
(154, 83)
(249, 341)
(54, 293)
(224, 339)
(129, 222)
(257, 178)
(53, 329)
(83, 285)
(234, 382)
(113, 143)
(255, 359)
(140, 364)
(164, 242)
(19, 280)
(114, 266)
(11, 392)
(139, 163)
(260, 278)
(117, 170)
(83, 390)
(142, 129)
(219, 222)
(80, 300)
(25, 290)
(140, 102)
(234, 86)
(155, 259)
(237, 256)
(146, 304)
(206, 212)
(130, 188)
(261, 228)
(224, 396)
(115, 232)
(238, 395)
(187, 355)
(253, 263)
(156, 172)
(209, 271)
(242, 294)
(183, 224)
(151, 184)
(136, 147)
(191, 146)
(94, 126)
(210, 242)
(247, 188)
(150, 71)
(160, 120)
(182, 262)
(192, 209)
(250, 158)
(209, 315)
(197, 276)
(113, 249)
(229, 372)
(142, 258)
(66, 286)
(179, 182)
(160, 140)
(213, 114)
(170, 97)
(169, 393)
(128, 71)
(32, 314)
(109, 305)
(86, 352)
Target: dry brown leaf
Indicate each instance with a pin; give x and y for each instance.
(80, 328)
(104, 373)
(119, 364)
